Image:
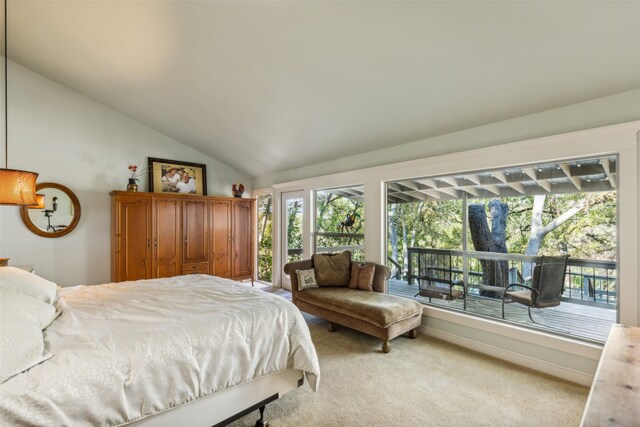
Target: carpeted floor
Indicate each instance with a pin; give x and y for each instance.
(421, 382)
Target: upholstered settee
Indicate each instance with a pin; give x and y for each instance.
(373, 312)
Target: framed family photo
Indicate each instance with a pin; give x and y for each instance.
(173, 176)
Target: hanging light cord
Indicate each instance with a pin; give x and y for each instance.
(6, 94)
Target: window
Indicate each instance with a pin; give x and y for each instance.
(495, 226)
(339, 221)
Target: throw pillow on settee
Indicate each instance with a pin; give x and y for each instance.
(332, 269)
(306, 279)
(362, 276)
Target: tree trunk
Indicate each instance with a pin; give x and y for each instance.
(266, 215)
(404, 245)
(480, 234)
(323, 207)
(538, 231)
(393, 235)
(294, 210)
(498, 270)
(494, 273)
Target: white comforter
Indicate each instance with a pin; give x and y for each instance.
(123, 351)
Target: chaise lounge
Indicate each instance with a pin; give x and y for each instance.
(373, 311)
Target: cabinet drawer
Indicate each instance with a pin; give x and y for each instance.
(195, 268)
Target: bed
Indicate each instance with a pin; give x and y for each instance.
(190, 350)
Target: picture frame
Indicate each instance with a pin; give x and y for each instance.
(168, 176)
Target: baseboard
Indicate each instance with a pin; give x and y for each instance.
(563, 372)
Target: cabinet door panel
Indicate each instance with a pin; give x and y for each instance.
(195, 231)
(242, 238)
(167, 236)
(133, 238)
(220, 228)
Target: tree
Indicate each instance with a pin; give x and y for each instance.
(265, 244)
(331, 211)
(494, 273)
(294, 227)
(539, 231)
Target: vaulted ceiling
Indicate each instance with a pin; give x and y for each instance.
(270, 86)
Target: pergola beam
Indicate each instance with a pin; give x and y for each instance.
(500, 176)
(449, 180)
(517, 186)
(544, 184)
(611, 176)
(531, 173)
(473, 178)
(471, 190)
(450, 191)
(574, 180)
(560, 177)
(493, 189)
(430, 182)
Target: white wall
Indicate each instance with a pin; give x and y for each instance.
(71, 140)
(619, 108)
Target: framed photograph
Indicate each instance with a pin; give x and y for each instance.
(173, 176)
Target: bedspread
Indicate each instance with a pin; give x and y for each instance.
(126, 350)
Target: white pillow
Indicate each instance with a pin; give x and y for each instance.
(306, 279)
(28, 283)
(22, 319)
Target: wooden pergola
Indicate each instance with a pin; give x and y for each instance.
(551, 178)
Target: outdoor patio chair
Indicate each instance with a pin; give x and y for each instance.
(547, 285)
(435, 279)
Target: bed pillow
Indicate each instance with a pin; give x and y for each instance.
(28, 283)
(22, 319)
(362, 276)
(306, 279)
(332, 269)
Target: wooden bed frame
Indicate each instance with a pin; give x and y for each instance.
(228, 405)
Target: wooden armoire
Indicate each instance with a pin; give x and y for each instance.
(162, 235)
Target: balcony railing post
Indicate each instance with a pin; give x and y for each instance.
(465, 268)
(410, 266)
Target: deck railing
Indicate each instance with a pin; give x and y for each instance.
(338, 242)
(587, 281)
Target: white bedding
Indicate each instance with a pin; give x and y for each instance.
(123, 351)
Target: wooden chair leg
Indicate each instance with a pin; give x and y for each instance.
(331, 327)
(413, 333)
(386, 348)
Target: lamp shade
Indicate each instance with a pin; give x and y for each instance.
(40, 202)
(17, 187)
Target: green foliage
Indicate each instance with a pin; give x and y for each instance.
(424, 225)
(331, 211)
(591, 233)
(294, 228)
(265, 238)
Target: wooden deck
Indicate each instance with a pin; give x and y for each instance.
(576, 320)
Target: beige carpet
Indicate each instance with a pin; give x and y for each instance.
(421, 382)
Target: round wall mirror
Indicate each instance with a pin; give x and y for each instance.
(57, 215)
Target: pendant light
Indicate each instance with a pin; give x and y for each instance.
(17, 187)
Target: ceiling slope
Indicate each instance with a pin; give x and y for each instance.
(271, 86)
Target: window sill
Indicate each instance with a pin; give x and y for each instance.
(565, 344)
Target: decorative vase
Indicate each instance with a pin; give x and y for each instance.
(132, 186)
